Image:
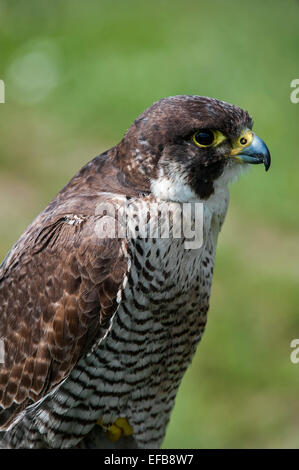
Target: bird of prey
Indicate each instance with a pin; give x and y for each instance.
(98, 330)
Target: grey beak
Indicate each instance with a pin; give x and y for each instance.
(256, 153)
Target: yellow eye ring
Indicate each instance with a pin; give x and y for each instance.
(204, 138)
(207, 137)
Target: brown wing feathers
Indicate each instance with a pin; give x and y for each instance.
(56, 301)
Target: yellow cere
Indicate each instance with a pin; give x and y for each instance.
(243, 141)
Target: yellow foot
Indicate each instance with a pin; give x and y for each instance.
(118, 429)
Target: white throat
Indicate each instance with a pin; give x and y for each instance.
(174, 188)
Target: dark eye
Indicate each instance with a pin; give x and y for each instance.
(204, 138)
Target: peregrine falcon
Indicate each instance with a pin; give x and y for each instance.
(98, 330)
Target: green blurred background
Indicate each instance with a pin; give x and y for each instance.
(77, 73)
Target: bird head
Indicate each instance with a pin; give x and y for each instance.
(180, 147)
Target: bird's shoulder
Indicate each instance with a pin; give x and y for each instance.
(60, 286)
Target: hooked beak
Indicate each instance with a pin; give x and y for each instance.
(256, 152)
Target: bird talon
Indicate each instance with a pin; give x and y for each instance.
(120, 428)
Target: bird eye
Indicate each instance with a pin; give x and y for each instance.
(204, 138)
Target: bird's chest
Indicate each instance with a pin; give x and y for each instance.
(162, 278)
(136, 370)
(155, 331)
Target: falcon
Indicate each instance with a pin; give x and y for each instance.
(98, 330)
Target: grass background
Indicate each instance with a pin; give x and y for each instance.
(77, 73)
